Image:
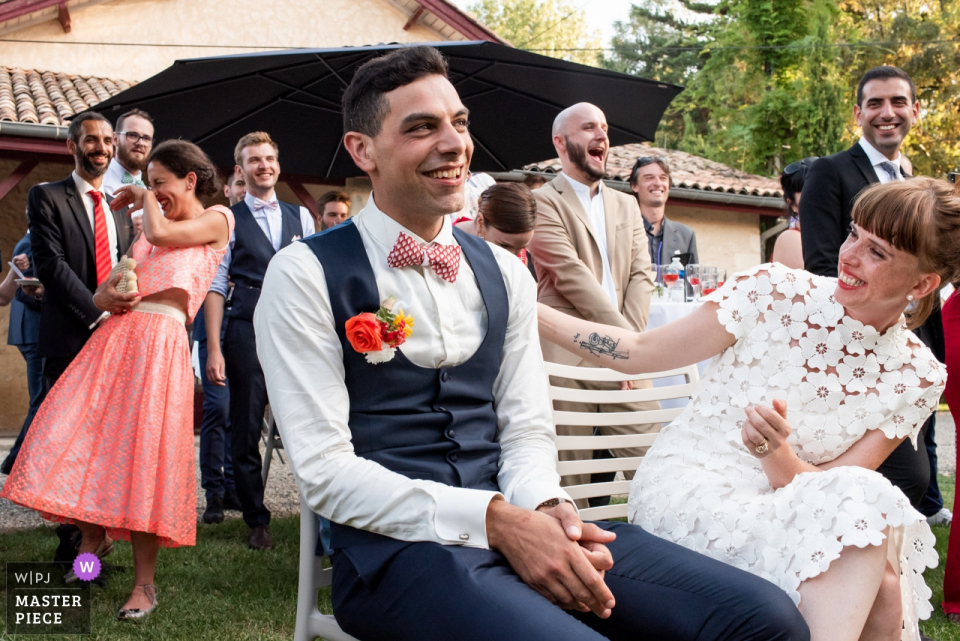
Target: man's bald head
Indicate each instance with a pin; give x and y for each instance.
(575, 114)
(580, 138)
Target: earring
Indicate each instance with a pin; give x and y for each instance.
(910, 297)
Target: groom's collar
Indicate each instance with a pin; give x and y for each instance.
(385, 230)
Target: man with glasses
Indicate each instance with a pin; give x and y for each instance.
(132, 143)
(650, 181)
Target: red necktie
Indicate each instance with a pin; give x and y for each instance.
(444, 259)
(101, 240)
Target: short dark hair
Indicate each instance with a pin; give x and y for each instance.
(884, 73)
(510, 208)
(334, 196)
(230, 177)
(180, 157)
(134, 112)
(643, 161)
(76, 125)
(364, 106)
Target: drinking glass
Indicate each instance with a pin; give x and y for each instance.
(721, 276)
(708, 280)
(693, 281)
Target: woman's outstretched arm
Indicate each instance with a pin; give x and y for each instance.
(691, 339)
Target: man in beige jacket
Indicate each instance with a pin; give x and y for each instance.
(590, 251)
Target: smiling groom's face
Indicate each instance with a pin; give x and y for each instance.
(421, 155)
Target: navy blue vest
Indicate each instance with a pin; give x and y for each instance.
(424, 423)
(252, 251)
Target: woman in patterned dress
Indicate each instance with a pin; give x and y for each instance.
(111, 448)
(814, 381)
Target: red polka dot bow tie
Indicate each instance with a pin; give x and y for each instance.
(444, 259)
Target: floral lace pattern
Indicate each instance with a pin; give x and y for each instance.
(699, 486)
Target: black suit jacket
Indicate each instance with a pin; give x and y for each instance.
(829, 191)
(65, 260)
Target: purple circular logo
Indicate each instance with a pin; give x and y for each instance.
(86, 566)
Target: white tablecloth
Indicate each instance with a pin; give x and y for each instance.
(661, 313)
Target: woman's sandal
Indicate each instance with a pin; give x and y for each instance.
(137, 613)
(105, 548)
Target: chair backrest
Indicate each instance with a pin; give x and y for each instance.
(667, 390)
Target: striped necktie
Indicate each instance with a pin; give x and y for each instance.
(893, 170)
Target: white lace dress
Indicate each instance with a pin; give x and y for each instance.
(700, 487)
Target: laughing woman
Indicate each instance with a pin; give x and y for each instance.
(814, 382)
(111, 448)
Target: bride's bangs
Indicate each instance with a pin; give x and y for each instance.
(899, 213)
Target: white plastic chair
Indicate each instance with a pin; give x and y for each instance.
(592, 419)
(312, 624)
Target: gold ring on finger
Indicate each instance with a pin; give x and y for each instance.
(762, 448)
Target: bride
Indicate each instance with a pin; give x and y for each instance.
(814, 381)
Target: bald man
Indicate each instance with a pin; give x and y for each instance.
(590, 251)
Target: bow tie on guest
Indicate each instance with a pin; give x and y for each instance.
(265, 204)
(130, 179)
(444, 259)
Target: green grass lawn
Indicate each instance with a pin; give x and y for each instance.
(221, 591)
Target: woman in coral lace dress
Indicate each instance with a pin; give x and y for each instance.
(111, 448)
(814, 382)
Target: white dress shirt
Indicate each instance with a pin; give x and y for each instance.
(877, 158)
(598, 220)
(113, 180)
(270, 221)
(302, 360)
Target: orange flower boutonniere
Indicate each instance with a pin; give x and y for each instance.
(377, 336)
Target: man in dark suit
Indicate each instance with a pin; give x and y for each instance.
(24, 333)
(886, 109)
(264, 225)
(76, 240)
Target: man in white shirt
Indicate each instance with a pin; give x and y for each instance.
(132, 143)
(435, 460)
(590, 251)
(264, 225)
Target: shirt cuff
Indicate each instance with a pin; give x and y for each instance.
(533, 494)
(461, 516)
(104, 316)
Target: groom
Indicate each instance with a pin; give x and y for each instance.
(437, 465)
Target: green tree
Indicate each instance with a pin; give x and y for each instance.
(556, 28)
(772, 81)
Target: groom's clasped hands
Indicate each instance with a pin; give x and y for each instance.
(555, 553)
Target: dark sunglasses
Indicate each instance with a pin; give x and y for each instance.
(647, 160)
(794, 167)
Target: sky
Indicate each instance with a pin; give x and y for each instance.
(600, 13)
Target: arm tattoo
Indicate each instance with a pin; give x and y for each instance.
(603, 346)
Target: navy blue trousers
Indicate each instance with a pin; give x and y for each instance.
(216, 462)
(34, 387)
(664, 592)
(248, 401)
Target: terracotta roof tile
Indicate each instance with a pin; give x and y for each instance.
(50, 98)
(687, 170)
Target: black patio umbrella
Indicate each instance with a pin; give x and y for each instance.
(513, 97)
